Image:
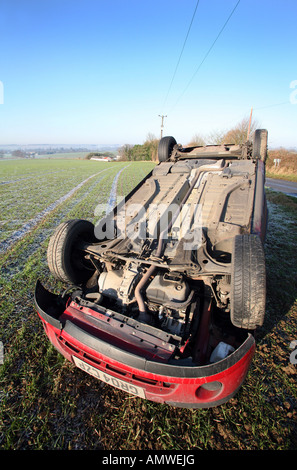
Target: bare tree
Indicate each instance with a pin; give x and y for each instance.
(151, 137)
(197, 139)
(238, 134)
(216, 137)
(125, 152)
(152, 143)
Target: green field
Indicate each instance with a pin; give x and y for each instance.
(28, 187)
(46, 403)
(71, 155)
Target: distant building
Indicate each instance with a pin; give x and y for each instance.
(101, 159)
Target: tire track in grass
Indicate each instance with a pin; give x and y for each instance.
(12, 268)
(28, 226)
(40, 234)
(104, 210)
(102, 203)
(113, 192)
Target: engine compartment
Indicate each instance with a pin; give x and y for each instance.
(167, 295)
(182, 322)
(180, 310)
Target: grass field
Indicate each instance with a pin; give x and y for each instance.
(46, 403)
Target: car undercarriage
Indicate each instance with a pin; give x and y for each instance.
(175, 274)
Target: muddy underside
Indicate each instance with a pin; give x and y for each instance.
(165, 255)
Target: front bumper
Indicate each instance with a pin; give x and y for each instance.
(79, 334)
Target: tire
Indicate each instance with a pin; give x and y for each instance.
(248, 282)
(165, 148)
(260, 144)
(65, 262)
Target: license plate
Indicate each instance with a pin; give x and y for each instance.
(109, 379)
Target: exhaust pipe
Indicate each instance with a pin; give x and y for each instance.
(143, 315)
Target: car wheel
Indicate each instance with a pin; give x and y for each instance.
(260, 144)
(248, 282)
(65, 261)
(165, 148)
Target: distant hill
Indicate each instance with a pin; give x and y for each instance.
(60, 148)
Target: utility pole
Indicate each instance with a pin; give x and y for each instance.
(162, 123)
(250, 121)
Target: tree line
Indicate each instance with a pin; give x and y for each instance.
(149, 149)
(236, 135)
(146, 151)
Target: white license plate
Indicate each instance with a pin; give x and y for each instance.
(109, 379)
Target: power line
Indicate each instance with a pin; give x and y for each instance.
(181, 53)
(207, 53)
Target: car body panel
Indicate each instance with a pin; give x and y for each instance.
(173, 384)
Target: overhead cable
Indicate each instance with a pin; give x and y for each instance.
(207, 53)
(181, 53)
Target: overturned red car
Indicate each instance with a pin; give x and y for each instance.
(162, 297)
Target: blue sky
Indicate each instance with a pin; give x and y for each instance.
(99, 71)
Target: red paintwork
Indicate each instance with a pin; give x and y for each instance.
(178, 391)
